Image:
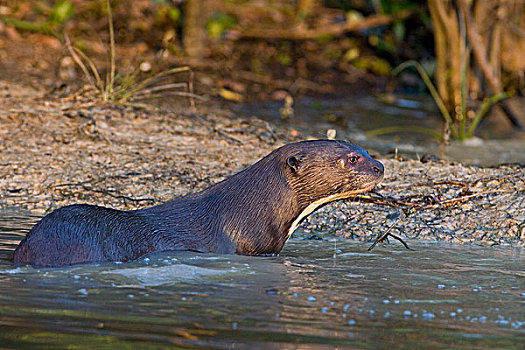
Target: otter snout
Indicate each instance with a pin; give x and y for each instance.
(363, 164)
(377, 168)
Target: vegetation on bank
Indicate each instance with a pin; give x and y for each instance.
(468, 54)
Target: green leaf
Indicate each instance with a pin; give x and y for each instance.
(36, 27)
(430, 86)
(218, 23)
(399, 30)
(61, 12)
(174, 14)
(392, 7)
(375, 65)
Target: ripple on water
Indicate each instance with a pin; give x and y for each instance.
(165, 275)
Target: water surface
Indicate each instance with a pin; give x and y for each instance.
(317, 294)
(352, 117)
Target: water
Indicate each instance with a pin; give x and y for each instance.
(315, 295)
(352, 117)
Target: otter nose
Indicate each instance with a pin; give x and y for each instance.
(378, 168)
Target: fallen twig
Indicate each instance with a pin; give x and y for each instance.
(224, 134)
(120, 196)
(333, 30)
(420, 202)
(387, 233)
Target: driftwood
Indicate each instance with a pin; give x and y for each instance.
(298, 33)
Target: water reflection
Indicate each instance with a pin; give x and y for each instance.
(317, 294)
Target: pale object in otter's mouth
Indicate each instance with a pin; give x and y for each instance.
(312, 207)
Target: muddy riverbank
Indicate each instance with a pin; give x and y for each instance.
(56, 151)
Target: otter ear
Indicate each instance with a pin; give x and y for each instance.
(294, 163)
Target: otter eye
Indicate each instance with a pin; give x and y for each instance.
(353, 159)
(293, 163)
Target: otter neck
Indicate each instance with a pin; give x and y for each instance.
(310, 208)
(257, 215)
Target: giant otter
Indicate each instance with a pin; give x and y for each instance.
(252, 212)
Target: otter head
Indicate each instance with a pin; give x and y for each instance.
(322, 171)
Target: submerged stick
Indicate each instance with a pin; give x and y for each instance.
(385, 235)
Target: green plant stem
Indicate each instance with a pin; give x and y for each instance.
(77, 55)
(463, 71)
(435, 94)
(77, 60)
(117, 89)
(483, 109)
(98, 81)
(44, 28)
(109, 87)
(162, 88)
(151, 79)
(411, 128)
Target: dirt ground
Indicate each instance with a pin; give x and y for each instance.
(56, 151)
(59, 151)
(66, 146)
